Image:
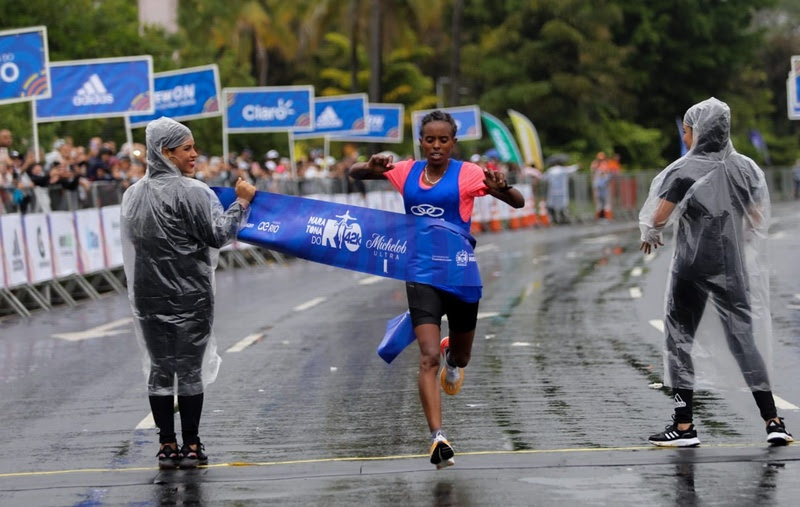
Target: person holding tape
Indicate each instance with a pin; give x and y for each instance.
(172, 228)
(444, 188)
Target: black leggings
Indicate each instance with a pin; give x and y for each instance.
(190, 408)
(685, 308)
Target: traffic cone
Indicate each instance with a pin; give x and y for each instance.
(514, 221)
(475, 227)
(494, 221)
(544, 216)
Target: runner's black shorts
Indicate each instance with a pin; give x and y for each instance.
(427, 304)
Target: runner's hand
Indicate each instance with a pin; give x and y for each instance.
(380, 163)
(245, 190)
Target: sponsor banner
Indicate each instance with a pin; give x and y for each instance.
(268, 109)
(112, 238)
(793, 89)
(13, 241)
(392, 245)
(90, 244)
(64, 243)
(98, 89)
(186, 94)
(467, 118)
(37, 241)
(339, 115)
(384, 125)
(23, 65)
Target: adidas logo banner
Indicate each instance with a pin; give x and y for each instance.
(338, 115)
(103, 88)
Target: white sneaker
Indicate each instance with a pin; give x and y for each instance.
(441, 451)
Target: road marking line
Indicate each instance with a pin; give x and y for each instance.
(778, 235)
(97, 331)
(648, 258)
(658, 324)
(587, 450)
(637, 272)
(481, 315)
(370, 280)
(245, 342)
(797, 296)
(147, 423)
(521, 344)
(309, 304)
(783, 404)
(793, 306)
(635, 292)
(490, 247)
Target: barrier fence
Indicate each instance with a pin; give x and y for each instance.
(63, 256)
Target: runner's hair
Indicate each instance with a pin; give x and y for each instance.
(437, 116)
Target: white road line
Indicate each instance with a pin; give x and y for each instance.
(521, 344)
(793, 306)
(147, 423)
(648, 258)
(783, 404)
(245, 342)
(481, 315)
(600, 239)
(778, 235)
(658, 324)
(370, 280)
(309, 304)
(797, 296)
(636, 272)
(490, 247)
(97, 332)
(635, 292)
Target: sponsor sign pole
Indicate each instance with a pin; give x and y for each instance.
(35, 129)
(128, 132)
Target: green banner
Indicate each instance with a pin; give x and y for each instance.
(503, 140)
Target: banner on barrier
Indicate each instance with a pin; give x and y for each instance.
(384, 125)
(90, 247)
(16, 267)
(23, 65)
(112, 237)
(186, 94)
(64, 243)
(341, 114)
(100, 88)
(268, 109)
(37, 241)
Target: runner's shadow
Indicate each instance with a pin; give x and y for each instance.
(760, 491)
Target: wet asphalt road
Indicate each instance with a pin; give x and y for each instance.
(556, 405)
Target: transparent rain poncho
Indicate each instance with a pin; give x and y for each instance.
(717, 320)
(172, 228)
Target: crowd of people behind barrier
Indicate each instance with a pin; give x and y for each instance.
(71, 176)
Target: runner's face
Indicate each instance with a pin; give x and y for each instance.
(183, 157)
(437, 141)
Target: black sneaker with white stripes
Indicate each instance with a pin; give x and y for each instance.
(673, 437)
(777, 434)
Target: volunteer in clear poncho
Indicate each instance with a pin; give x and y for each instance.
(719, 203)
(172, 228)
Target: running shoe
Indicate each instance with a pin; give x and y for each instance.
(451, 377)
(168, 457)
(192, 458)
(673, 437)
(441, 451)
(777, 434)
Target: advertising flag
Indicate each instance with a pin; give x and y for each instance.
(528, 139)
(503, 140)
